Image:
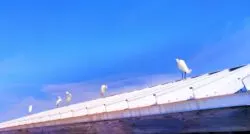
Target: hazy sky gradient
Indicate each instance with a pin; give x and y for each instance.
(49, 47)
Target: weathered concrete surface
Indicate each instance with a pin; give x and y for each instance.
(215, 120)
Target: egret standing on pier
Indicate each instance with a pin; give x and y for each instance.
(103, 89)
(58, 101)
(30, 109)
(183, 67)
(68, 97)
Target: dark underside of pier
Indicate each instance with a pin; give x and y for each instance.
(223, 120)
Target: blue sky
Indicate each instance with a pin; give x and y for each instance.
(48, 47)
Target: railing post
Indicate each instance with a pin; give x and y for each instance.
(87, 110)
(127, 103)
(155, 99)
(60, 115)
(50, 117)
(72, 111)
(193, 94)
(31, 122)
(105, 107)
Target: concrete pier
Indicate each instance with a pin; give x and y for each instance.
(235, 119)
(213, 102)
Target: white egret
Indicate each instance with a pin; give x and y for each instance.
(30, 109)
(183, 67)
(58, 101)
(103, 89)
(68, 97)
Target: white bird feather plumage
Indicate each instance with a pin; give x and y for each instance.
(104, 89)
(183, 66)
(68, 96)
(30, 109)
(58, 101)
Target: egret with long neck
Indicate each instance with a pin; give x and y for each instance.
(68, 97)
(58, 101)
(30, 109)
(103, 89)
(183, 68)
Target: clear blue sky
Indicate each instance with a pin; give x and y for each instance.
(57, 42)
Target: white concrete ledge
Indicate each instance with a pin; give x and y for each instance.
(240, 99)
(161, 99)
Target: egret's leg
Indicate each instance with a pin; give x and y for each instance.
(102, 94)
(185, 75)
